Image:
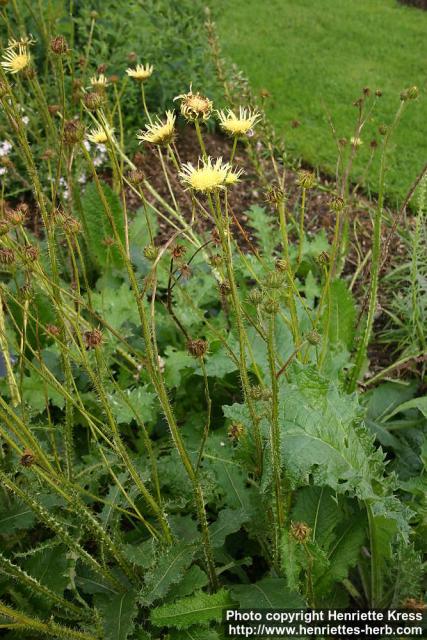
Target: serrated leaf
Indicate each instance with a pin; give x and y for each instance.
(34, 389)
(49, 566)
(199, 609)
(264, 230)
(193, 580)
(269, 593)
(169, 570)
(118, 614)
(415, 403)
(17, 516)
(141, 400)
(118, 308)
(97, 224)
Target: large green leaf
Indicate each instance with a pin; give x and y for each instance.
(339, 320)
(169, 570)
(118, 614)
(269, 593)
(199, 609)
(97, 225)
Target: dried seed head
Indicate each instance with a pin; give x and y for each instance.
(178, 251)
(300, 531)
(136, 177)
(366, 91)
(373, 144)
(92, 339)
(224, 288)
(31, 253)
(93, 100)
(7, 256)
(281, 265)
(71, 225)
(194, 106)
(59, 45)
(235, 431)
(256, 296)
(101, 68)
(150, 252)
(48, 154)
(336, 204)
(274, 196)
(343, 142)
(185, 271)
(28, 458)
(378, 93)
(306, 179)
(74, 131)
(17, 216)
(4, 227)
(215, 261)
(197, 348)
(313, 338)
(54, 109)
(27, 292)
(52, 330)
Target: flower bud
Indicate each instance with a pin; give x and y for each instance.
(270, 306)
(74, 131)
(306, 179)
(224, 288)
(256, 296)
(337, 204)
(136, 177)
(274, 280)
(150, 252)
(28, 458)
(235, 431)
(281, 265)
(313, 338)
(7, 256)
(409, 94)
(31, 253)
(300, 531)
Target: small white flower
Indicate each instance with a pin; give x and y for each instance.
(3, 171)
(82, 179)
(5, 148)
(25, 120)
(86, 144)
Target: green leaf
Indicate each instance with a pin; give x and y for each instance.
(97, 225)
(34, 389)
(264, 230)
(269, 593)
(193, 580)
(415, 403)
(229, 521)
(199, 609)
(117, 307)
(142, 401)
(169, 570)
(49, 567)
(15, 517)
(340, 323)
(118, 614)
(323, 434)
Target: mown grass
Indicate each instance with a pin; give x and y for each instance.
(314, 58)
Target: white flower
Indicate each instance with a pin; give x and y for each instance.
(25, 120)
(3, 171)
(86, 144)
(5, 148)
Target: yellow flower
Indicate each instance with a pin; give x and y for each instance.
(208, 176)
(356, 142)
(100, 134)
(160, 132)
(99, 82)
(194, 105)
(238, 125)
(140, 73)
(16, 58)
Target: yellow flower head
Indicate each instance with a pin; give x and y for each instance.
(209, 175)
(100, 134)
(160, 132)
(195, 106)
(99, 82)
(238, 125)
(140, 73)
(16, 57)
(356, 142)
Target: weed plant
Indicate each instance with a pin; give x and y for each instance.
(180, 423)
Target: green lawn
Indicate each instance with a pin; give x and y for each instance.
(315, 56)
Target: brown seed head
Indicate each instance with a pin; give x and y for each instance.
(31, 253)
(178, 251)
(198, 347)
(224, 288)
(215, 261)
(92, 339)
(337, 204)
(136, 177)
(7, 256)
(93, 100)
(194, 106)
(48, 154)
(74, 131)
(71, 225)
(54, 109)
(275, 195)
(102, 68)
(59, 45)
(378, 93)
(235, 431)
(300, 531)
(28, 458)
(52, 330)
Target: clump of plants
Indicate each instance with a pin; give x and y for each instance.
(181, 426)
